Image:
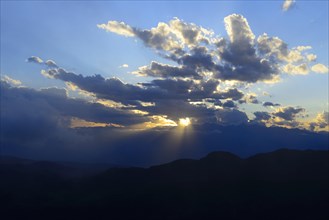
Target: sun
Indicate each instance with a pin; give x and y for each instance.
(184, 122)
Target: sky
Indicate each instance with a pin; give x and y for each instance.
(131, 67)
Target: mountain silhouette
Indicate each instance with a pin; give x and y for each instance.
(284, 184)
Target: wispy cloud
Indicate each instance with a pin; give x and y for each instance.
(38, 60)
(34, 59)
(124, 66)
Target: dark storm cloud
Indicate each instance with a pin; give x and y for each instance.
(164, 70)
(199, 58)
(267, 104)
(165, 94)
(54, 105)
(255, 70)
(206, 89)
(229, 104)
(178, 87)
(36, 124)
(41, 128)
(24, 115)
(231, 116)
(113, 88)
(234, 94)
(288, 113)
(262, 116)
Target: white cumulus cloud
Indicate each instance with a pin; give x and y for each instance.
(319, 68)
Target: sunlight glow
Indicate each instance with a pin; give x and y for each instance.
(184, 122)
(80, 123)
(155, 121)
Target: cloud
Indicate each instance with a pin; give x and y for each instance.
(319, 68)
(36, 119)
(238, 29)
(164, 70)
(38, 60)
(241, 60)
(164, 94)
(205, 79)
(198, 59)
(301, 69)
(54, 106)
(34, 59)
(229, 104)
(134, 147)
(117, 27)
(190, 33)
(272, 47)
(288, 113)
(320, 122)
(286, 117)
(232, 116)
(203, 75)
(53, 125)
(275, 49)
(112, 88)
(262, 116)
(270, 104)
(51, 91)
(200, 54)
(124, 66)
(288, 4)
(249, 98)
(168, 37)
(323, 118)
(233, 94)
(311, 57)
(11, 81)
(160, 38)
(51, 63)
(80, 123)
